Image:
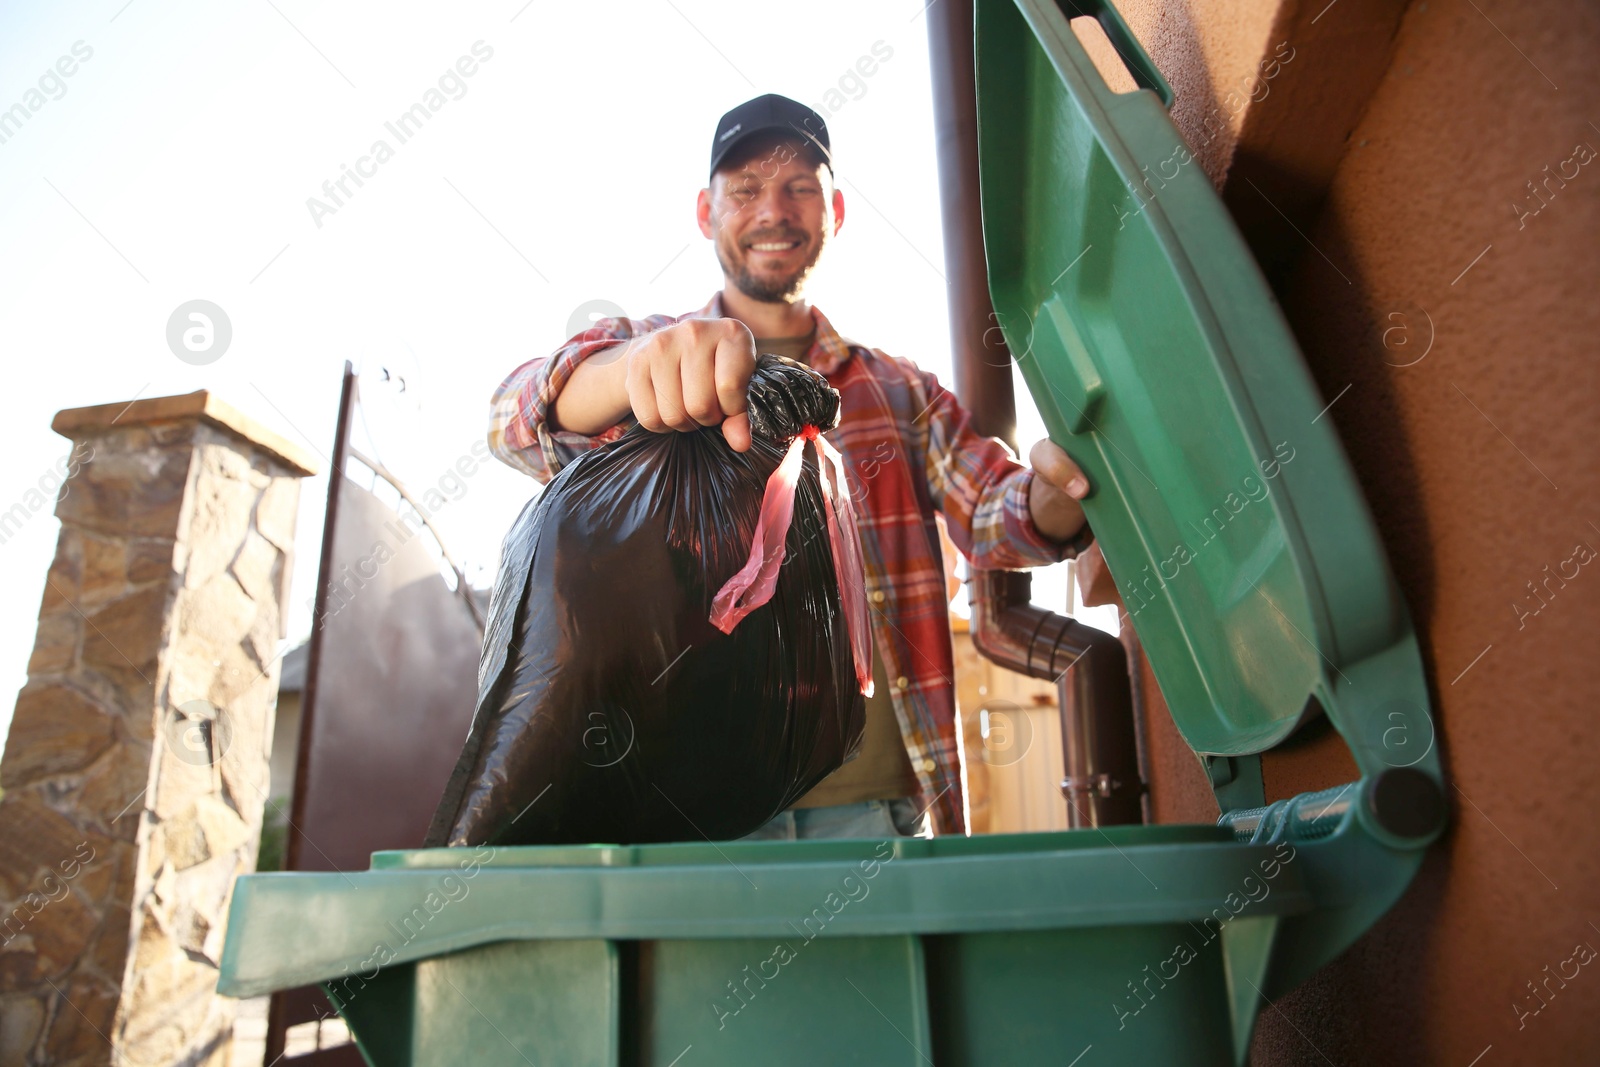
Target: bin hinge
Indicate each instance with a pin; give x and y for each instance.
(1236, 781)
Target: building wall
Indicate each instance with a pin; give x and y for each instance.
(1400, 141)
(1014, 772)
(1209, 51)
(285, 746)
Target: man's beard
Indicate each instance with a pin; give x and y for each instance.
(768, 290)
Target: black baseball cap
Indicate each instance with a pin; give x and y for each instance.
(766, 114)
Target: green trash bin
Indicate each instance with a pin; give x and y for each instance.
(1251, 569)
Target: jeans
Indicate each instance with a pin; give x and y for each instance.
(900, 817)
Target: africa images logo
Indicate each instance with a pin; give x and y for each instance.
(199, 332)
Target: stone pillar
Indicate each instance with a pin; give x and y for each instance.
(135, 772)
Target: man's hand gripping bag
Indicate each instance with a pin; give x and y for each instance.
(668, 656)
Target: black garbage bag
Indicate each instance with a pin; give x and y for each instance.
(610, 707)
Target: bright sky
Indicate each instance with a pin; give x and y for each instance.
(176, 160)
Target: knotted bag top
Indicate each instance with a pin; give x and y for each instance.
(789, 401)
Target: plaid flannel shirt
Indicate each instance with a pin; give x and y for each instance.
(910, 451)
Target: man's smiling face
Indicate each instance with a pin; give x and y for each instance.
(770, 214)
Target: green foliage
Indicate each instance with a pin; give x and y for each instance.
(274, 836)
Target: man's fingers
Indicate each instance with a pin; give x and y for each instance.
(700, 398)
(1053, 464)
(736, 428)
(669, 403)
(666, 375)
(694, 374)
(735, 362)
(642, 396)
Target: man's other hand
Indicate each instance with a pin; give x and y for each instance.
(693, 374)
(1058, 484)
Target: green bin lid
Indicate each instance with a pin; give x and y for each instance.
(1159, 359)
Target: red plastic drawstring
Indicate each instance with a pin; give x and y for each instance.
(754, 584)
(845, 539)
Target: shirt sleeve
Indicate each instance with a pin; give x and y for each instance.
(520, 434)
(982, 489)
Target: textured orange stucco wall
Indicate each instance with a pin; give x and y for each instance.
(1400, 156)
(1209, 52)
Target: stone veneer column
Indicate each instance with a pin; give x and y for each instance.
(136, 767)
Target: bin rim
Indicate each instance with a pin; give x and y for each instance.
(288, 929)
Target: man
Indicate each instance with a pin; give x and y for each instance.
(770, 209)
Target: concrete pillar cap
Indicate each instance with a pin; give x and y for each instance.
(78, 423)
